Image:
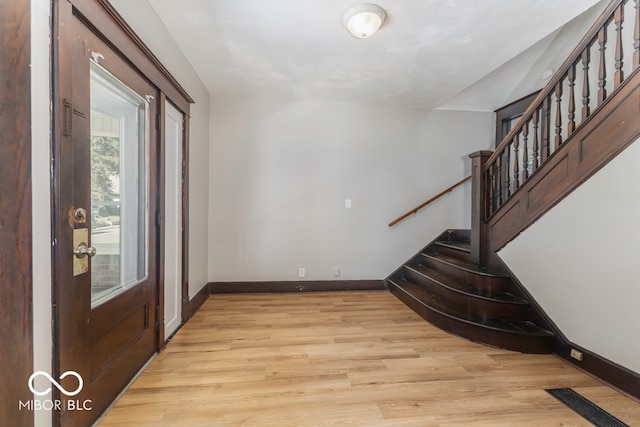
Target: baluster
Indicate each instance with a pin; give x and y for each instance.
(505, 172)
(571, 125)
(498, 175)
(586, 57)
(494, 188)
(488, 176)
(486, 206)
(516, 162)
(534, 166)
(525, 152)
(618, 19)
(558, 139)
(546, 129)
(636, 37)
(602, 70)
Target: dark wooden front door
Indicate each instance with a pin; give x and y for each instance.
(106, 179)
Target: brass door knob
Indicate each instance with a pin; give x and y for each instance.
(83, 250)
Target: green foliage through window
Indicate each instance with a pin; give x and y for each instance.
(105, 172)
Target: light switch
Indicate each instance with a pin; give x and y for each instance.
(347, 203)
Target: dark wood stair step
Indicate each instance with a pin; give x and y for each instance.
(458, 246)
(464, 287)
(455, 235)
(465, 272)
(514, 335)
(465, 297)
(455, 249)
(467, 266)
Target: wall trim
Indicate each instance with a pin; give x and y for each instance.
(295, 286)
(194, 304)
(104, 20)
(616, 376)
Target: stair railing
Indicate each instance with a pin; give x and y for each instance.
(564, 107)
(581, 83)
(431, 200)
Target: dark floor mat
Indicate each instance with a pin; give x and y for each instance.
(591, 412)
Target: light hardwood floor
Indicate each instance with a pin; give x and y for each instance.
(350, 358)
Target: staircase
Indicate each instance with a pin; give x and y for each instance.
(443, 286)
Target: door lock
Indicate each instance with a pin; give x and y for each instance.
(80, 215)
(83, 250)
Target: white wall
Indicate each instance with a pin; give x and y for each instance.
(282, 169)
(581, 262)
(40, 179)
(146, 23)
(522, 75)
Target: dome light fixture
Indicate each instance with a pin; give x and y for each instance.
(364, 20)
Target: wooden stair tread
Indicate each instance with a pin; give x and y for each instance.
(459, 246)
(510, 327)
(465, 288)
(455, 235)
(445, 287)
(462, 265)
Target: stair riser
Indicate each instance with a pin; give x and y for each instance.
(475, 332)
(454, 253)
(456, 235)
(469, 303)
(487, 284)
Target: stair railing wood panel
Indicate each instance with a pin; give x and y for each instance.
(551, 118)
(431, 200)
(586, 114)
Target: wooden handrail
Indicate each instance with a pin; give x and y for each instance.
(433, 199)
(572, 95)
(558, 75)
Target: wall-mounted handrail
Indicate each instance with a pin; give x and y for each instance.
(433, 199)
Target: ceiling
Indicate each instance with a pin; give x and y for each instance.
(426, 52)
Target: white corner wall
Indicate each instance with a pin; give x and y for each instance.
(148, 26)
(281, 171)
(581, 262)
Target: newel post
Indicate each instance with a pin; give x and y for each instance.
(479, 200)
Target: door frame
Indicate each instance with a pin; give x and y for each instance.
(513, 110)
(105, 22)
(16, 251)
(184, 191)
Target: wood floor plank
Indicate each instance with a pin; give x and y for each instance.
(352, 358)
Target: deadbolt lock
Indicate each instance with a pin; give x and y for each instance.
(80, 215)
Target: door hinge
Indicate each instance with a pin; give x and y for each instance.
(68, 118)
(158, 218)
(146, 316)
(69, 112)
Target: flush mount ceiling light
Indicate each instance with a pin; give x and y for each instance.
(364, 20)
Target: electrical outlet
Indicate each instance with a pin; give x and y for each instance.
(336, 272)
(576, 354)
(301, 272)
(347, 203)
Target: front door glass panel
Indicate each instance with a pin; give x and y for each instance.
(119, 186)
